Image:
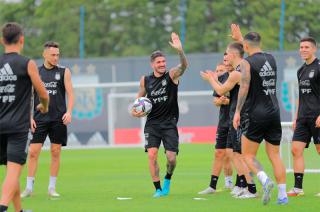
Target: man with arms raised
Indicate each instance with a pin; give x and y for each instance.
(161, 87)
(260, 115)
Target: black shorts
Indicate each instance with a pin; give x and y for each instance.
(14, 147)
(257, 131)
(234, 140)
(167, 132)
(222, 137)
(57, 132)
(305, 129)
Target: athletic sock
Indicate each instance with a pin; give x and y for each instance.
(168, 176)
(30, 182)
(282, 191)
(52, 182)
(238, 181)
(213, 182)
(243, 181)
(252, 188)
(157, 185)
(262, 176)
(3, 208)
(298, 179)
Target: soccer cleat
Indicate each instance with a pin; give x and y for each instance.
(239, 192)
(247, 195)
(235, 190)
(157, 194)
(208, 190)
(52, 193)
(267, 188)
(228, 187)
(26, 193)
(283, 201)
(295, 192)
(166, 187)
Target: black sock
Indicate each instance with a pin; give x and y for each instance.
(157, 185)
(213, 182)
(3, 208)
(168, 176)
(243, 181)
(298, 179)
(238, 181)
(252, 188)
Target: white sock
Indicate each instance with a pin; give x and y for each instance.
(282, 192)
(228, 180)
(52, 183)
(30, 182)
(262, 176)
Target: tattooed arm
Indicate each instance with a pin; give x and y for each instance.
(178, 71)
(243, 91)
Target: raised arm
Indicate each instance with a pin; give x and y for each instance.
(33, 73)
(236, 34)
(221, 89)
(178, 71)
(243, 91)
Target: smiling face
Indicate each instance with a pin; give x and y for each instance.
(307, 50)
(159, 65)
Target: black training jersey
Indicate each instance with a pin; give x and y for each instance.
(234, 97)
(309, 90)
(53, 80)
(262, 102)
(163, 93)
(224, 109)
(15, 93)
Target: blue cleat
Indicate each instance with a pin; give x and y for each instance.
(157, 194)
(166, 187)
(283, 201)
(267, 188)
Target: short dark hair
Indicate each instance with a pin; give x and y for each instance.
(309, 39)
(238, 47)
(50, 44)
(253, 38)
(156, 54)
(11, 32)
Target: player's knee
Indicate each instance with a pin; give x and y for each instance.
(220, 154)
(172, 161)
(296, 151)
(55, 152)
(152, 156)
(33, 153)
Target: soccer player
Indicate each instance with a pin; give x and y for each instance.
(17, 76)
(307, 121)
(222, 134)
(57, 80)
(161, 87)
(234, 56)
(260, 114)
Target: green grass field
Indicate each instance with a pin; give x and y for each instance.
(91, 180)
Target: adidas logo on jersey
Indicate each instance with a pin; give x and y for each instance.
(6, 73)
(267, 70)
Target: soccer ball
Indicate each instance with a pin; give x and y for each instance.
(143, 104)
